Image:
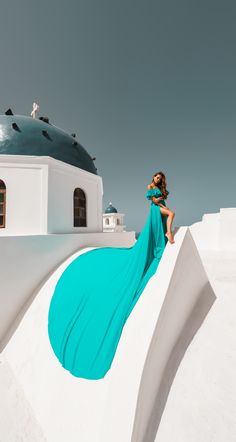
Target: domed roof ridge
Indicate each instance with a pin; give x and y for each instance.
(25, 135)
(110, 209)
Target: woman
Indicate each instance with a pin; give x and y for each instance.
(158, 194)
(97, 291)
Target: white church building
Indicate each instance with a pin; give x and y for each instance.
(48, 182)
(51, 205)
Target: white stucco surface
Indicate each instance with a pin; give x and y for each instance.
(216, 231)
(39, 196)
(206, 232)
(227, 234)
(30, 259)
(201, 405)
(119, 406)
(17, 420)
(202, 402)
(173, 375)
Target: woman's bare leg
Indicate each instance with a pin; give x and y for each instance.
(170, 214)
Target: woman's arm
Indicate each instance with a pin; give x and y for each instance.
(157, 200)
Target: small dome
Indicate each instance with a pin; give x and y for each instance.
(23, 135)
(110, 209)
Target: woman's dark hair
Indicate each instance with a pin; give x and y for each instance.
(162, 185)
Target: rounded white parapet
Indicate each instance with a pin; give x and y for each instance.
(127, 404)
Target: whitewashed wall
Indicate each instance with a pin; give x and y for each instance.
(62, 180)
(151, 346)
(216, 231)
(227, 235)
(39, 195)
(206, 232)
(27, 261)
(26, 195)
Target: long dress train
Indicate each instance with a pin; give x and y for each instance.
(95, 295)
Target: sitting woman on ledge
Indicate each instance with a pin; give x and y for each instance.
(97, 291)
(158, 194)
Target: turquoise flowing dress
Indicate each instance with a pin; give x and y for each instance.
(95, 295)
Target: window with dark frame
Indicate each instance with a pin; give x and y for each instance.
(2, 204)
(80, 215)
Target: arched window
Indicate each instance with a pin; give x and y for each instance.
(80, 215)
(106, 221)
(2, 204)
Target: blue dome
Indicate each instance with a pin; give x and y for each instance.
(23, 135)
(110, 209)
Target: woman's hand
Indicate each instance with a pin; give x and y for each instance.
(157, 200)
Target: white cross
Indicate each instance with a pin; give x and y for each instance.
(35, 109)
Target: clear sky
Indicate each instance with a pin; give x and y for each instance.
(145, 85)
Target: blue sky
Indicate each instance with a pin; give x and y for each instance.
(145, 85)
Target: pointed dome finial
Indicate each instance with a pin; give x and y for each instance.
(110, 209)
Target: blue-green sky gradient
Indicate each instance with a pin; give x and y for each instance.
(145, 85)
